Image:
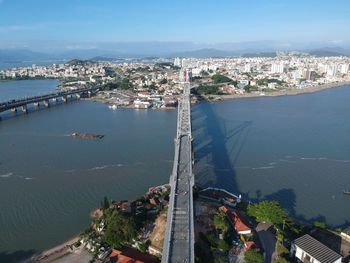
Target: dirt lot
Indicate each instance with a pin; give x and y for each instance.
(157, 236)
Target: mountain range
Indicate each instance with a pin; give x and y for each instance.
(21, 55)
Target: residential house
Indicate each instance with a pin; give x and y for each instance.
(237, 222)
(309, 250)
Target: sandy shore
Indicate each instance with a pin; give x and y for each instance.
(286, 92)
(55, 252)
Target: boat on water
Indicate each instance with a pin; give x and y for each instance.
(87, 135)
(113, 107)
(346, 192)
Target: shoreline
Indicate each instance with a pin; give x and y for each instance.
(55, 252)
(278, 93)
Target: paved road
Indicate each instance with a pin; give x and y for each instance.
(179, 240)
(179, 249)
(268, 241)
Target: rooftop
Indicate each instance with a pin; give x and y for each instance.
(316, 249)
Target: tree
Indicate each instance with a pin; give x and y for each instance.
(163, 81)
(120, 229)
(319, 224)
(204, 73)
(217, 78)
(252, 256)
(268, 211)
(224, 246)
(105, 203)
(220, 222)
(125, 83)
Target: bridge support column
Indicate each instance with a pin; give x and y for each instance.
(36, 104)
(64, 99)
(24, 109)
(47, 103)
(78, 95)
(14, 109)
(54, 100)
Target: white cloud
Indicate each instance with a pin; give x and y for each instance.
(15, 28)
(336, 42)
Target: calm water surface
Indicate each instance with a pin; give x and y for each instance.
(293, 149)
(26, 88)
(49, 182)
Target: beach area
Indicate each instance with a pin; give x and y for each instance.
(55, 253)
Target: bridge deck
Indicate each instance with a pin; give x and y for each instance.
(179, 240)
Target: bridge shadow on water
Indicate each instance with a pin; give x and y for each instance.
(216, 147)
(218, 144)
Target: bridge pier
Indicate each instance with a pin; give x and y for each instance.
(64, 99)
(54, 100)
(24, 109)
(36, 104)
(77, 96)
(47, 103)
(14, 109)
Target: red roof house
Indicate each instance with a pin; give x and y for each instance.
(237, 222)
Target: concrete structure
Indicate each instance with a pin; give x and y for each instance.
(179, 237)
(346, 233)
(23, 103)
(308, 249)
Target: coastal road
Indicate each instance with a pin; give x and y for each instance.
(268, 241)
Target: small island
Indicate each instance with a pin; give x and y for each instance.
(86, 135)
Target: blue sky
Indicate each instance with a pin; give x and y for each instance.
(89, 22)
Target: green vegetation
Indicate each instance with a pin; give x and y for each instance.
(123, 84)
(110, 86)
(105, 203)
(80, 62)
(220, 222)
(207, 89)
(252, 256)
(268, 211)
(204, 73)
(319, 224)
(217, 78)
(265, 81)
(224, 246)
(163, 81)
(109, 72)
(250, 88)
(121, 229)
(282, 254)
